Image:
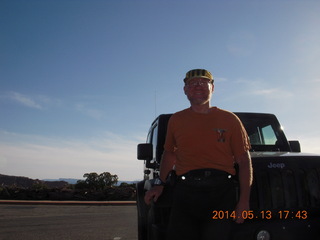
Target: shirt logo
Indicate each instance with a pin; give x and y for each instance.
(220, 134)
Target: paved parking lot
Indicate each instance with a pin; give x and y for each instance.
(68, 222)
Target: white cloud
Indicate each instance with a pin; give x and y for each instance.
(273, 93)
(24, 100)
(256, 90)
(35, 101)
(39, 157)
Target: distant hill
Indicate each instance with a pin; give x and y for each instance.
(24, 182)
(129, 182)
(68, 180)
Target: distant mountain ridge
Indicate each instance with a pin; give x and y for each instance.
(25, 182)
(68, 180)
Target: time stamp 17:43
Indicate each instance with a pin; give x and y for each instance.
(265, 214)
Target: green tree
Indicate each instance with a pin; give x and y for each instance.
(97, 181)
(91, 180)
(107, 180)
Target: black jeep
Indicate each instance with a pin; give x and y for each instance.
(285, 195)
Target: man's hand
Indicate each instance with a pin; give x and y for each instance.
(240, 208)
(153, 194)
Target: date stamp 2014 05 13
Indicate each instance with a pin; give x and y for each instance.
(265, 214)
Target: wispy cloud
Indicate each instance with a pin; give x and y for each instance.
(39, 102)
(24, 100)
(272, 93)
(258, 87)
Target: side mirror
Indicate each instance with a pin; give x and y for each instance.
(295, 146)
(145, 151)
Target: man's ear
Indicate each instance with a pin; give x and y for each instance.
(184, 89)
(212, 85)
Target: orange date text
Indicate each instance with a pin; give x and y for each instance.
(265, 214)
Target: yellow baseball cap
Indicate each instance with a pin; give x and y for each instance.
(198, 73)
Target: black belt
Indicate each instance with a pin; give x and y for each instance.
(203, 175)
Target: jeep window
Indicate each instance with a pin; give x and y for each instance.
(264, 132)
(152, 134)
(263, 136)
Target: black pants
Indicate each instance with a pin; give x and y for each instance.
(193, 206)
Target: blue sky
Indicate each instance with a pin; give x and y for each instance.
(81, 81)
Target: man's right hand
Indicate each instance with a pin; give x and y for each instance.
(153, 194)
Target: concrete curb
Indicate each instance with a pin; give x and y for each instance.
(102, 203)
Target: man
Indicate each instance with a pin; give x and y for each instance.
(204, 144)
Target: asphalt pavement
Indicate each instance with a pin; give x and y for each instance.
(68, 221)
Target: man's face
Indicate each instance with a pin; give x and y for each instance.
(198, 90)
